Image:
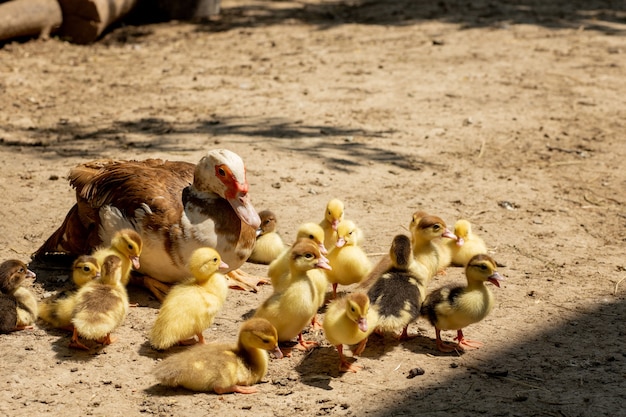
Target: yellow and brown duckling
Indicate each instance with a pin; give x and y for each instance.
(221, 367)
(269, 245)
(456, 307)
(101, 306)
(58, 309)
(426, 230)
(349, 320)
(18, 305)
(190, 307)
(127, 245)
(398, 294)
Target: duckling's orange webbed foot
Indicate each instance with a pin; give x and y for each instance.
(360, 347)
(344, 365)
(466, 343)
(75, 343)
(444, 346)
(315, 323)
(241, 389)
(305, 344)
(245, 281)
(107, 340)
(18, 328)
(405, 335)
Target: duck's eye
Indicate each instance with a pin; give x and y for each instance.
(311, 237)
(86, 269)
(483, 267)
(436, 227)
(221, 172)
(309, 256)
(130, 246)
(215, 260)
(352, 309)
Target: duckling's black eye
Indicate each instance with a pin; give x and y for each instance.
(309, 256)
(436, 227)
(265, 341)
(483, 267)
(130, 246)
(221, 172)
(311, 237)
(352, 309)
(215, 260)
(86, 269)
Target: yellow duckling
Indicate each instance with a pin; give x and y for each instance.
(466, 245)
(127, 245)
(332, 217)
(269, 245)
(349, 263)
(221, 367)
(349, 320)
(279, 268)
(290, 310)
(57, 310)
(398, 294)
(425, 251)
(456, 307)
(101, 306)
(18, 305)
(190, 307)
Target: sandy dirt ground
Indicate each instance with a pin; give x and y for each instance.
(510, 114)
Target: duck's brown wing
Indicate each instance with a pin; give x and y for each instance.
(123, 184)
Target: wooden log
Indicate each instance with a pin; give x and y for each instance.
(29, 18)
(85, 20)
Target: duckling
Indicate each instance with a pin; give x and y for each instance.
(349, 320)
(127, 245)
(425, 251)
(456, 307)
(279, 268)
(101, 306)
(398, 294)
(290, 310)
(269, 245)
(466, 245)
(57, 310)
(223, 367)
(332, 217)
(349, 263)
(18, 305)
(190, 307)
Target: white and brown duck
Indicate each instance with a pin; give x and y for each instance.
(175, 206)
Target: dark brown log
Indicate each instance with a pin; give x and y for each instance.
(29, 18)
(85, 20)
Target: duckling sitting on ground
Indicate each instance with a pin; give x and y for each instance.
(456, 307)
(101, 306)
(398, 294)
(466, 245)
(221, 367)
(349, 263)
(190, 307)
(290, 310)
(269, 245)
(349, 320)
(57, 310)
(18, 305)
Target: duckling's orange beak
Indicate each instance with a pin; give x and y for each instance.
(340, 242)
(495, 279)
(323, 248)
(223, 265)
(362, 323)
(277, 352)
(135, 261)
(30, 274)
(322, 263)
(334, 224)
(447, 233)
(460, 241)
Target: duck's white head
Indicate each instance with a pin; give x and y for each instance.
(223, 172)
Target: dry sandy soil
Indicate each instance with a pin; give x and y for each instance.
(510, 115)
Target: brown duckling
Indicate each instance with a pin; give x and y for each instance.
(18, 305)
(269, 245)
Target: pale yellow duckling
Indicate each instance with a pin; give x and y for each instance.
(349, 321)
(456, 307)
(127, 245)
(349, 262)
(466, 245)
(57, 310)
(425, 250)
(332, 217)
(290, 310)
(279, 268)
(269, 245)
(190, 307)
(398, 294)
(221, 367)
(18, 305)
(101, 306)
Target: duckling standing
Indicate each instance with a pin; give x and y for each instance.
(279, 268)
(290, 310)
(349, 320)
(127, 245)
(332, 217)
(398, 294)
(57, 310)
(223, 368)
(425, 250)
(269, 245)
(456, 307)
(349, 263)
(18, 305)
(101, 306)
(190, 308)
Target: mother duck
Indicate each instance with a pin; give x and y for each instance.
(175, 206)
